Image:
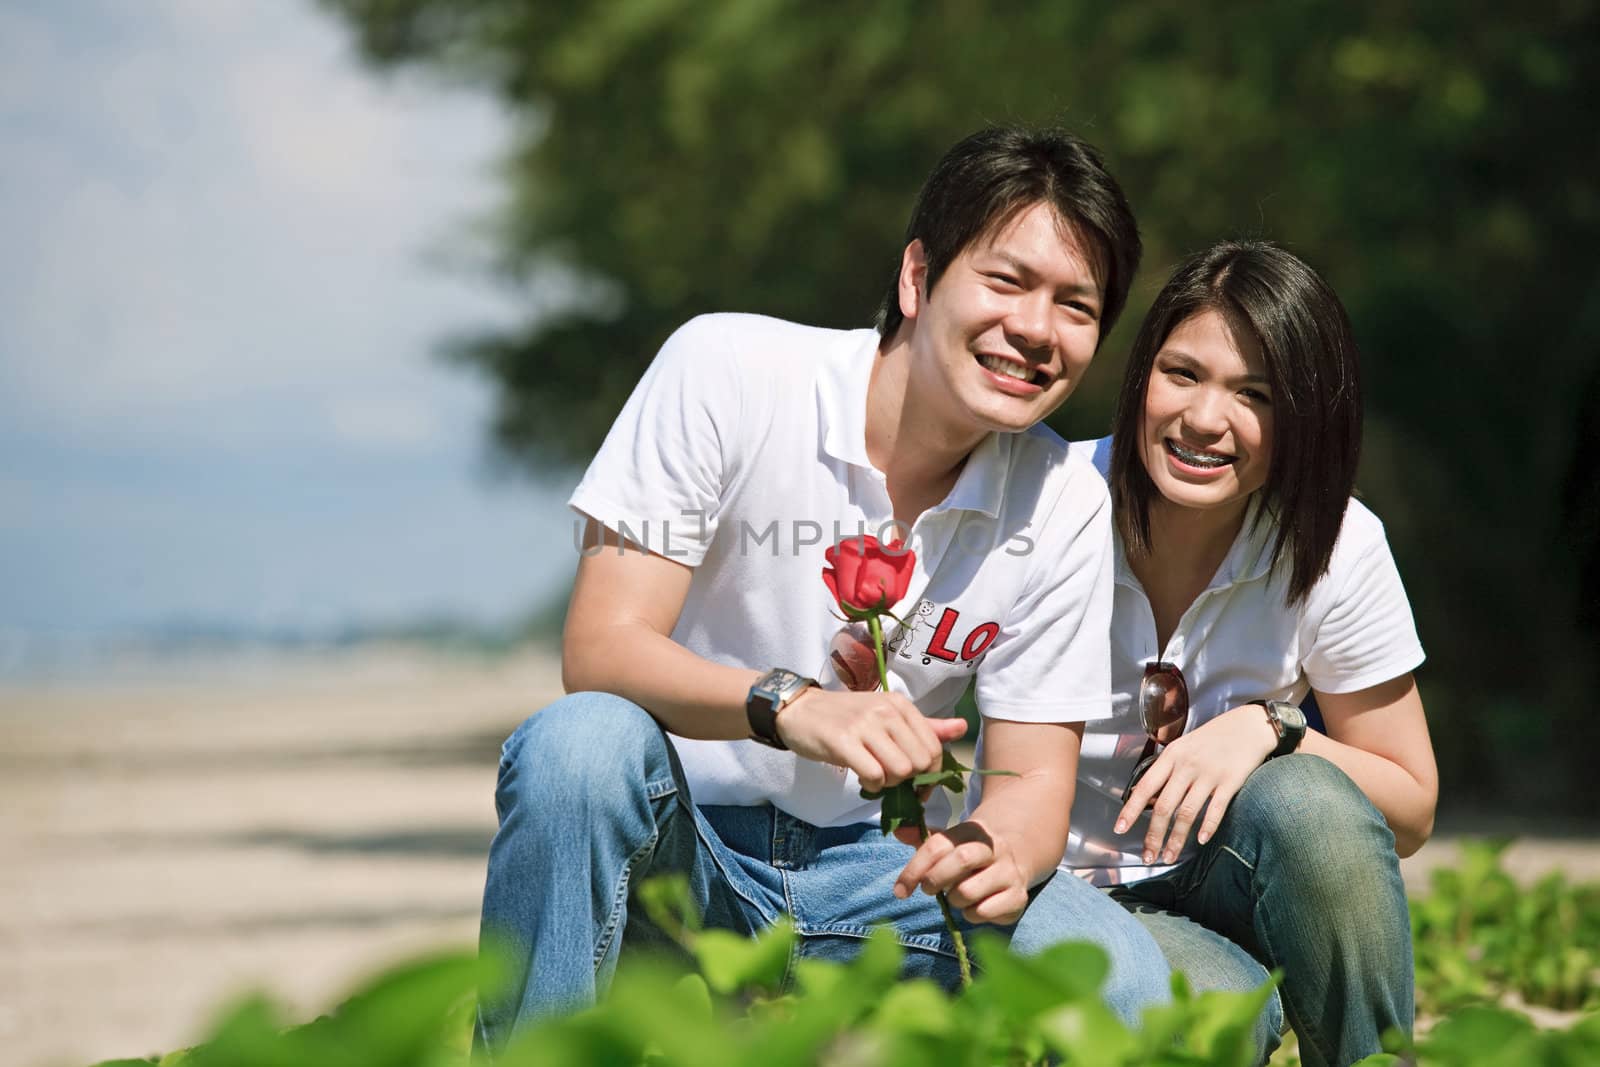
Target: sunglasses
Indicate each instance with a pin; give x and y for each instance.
(1164, 706)
(853, 658)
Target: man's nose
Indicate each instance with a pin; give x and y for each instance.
(1029, 321)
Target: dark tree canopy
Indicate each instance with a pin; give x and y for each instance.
(1432, 159)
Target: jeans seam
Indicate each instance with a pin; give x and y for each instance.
(1243, 862)
(727, 879)
(620, 897)
(1299, 1020)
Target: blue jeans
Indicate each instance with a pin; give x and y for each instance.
(592, 799)
(1301, 875)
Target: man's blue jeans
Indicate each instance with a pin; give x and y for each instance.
(1301, 875)
(592, 800)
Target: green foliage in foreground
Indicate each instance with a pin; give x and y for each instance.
(1478, 939)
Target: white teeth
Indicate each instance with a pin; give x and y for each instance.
(1006, 367)
(1197, 459)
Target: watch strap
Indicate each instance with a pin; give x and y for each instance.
(1289, 722)
(768, 696)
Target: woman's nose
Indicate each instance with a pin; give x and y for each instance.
(1206, 413)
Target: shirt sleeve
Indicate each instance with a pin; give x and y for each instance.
(658, 478)
(1052, 659)
(1366, 634)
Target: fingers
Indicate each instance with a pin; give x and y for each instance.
(1183, 818)
(931, 851)
(990, 895)
(965, 866)
(1144, 792)
(947, 730)
(1162, 812)
(1215, 811)
(858, 758)
(890, 754)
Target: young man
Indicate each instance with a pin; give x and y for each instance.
(695, 741)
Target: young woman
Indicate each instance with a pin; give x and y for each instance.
(1247, 578)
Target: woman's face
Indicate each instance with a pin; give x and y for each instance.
(1206, 435)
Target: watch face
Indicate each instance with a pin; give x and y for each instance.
(1291, 715)
(779, 680)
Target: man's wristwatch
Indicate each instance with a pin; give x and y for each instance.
(768, 696)
(1290, 723)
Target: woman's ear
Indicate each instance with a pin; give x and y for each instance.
(913, 278)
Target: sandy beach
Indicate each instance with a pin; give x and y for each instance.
(289, 826)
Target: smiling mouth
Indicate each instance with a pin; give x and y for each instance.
(1197, 459)
(1012, 369)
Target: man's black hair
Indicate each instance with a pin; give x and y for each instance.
(992, 176)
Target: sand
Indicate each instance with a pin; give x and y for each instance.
(287, 825)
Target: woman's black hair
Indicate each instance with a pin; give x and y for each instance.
(990, 177)
(1270, 299)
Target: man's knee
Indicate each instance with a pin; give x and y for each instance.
(581, 743)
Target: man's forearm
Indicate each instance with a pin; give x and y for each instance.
(689, 695)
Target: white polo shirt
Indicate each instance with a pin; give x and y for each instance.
(1239, 641)
(742, 453)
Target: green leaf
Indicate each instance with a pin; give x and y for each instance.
(917, 1006)
(732, 961)
(1224, 1023)
(901, 807)
(1472, 1034)
(669, 904)
(1089, 1033)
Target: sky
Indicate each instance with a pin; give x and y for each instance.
(228, 257)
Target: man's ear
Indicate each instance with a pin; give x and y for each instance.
(913, 279)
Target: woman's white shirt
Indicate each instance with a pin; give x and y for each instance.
(1239, 641)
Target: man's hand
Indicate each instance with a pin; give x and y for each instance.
(981, 874)
(1202, 769)
(882, 737)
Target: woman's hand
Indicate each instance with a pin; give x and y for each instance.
(1201, 769)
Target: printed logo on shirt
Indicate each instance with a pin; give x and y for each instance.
(935, 632)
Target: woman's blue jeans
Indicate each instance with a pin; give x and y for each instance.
(592, 800)
(1301, 875)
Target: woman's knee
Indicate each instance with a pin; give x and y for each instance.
(1069, 909)
(1306, 818)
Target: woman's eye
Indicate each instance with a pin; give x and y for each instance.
(1257, 396)
(1181, 373)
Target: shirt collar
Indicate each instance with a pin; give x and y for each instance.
(1248, 558)
(842, 381)
(1251, 553)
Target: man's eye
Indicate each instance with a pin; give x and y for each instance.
(1082, 308)
(1004, 279)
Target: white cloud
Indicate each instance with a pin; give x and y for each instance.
(216, 389)
(220, 208)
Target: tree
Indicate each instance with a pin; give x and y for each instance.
(761, 155)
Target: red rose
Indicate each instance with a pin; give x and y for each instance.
(866, 577)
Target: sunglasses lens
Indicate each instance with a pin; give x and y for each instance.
(853, 659)
(1164, 705)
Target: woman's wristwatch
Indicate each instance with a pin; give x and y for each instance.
(768, 696)
(1289, 722)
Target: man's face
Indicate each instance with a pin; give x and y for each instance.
(1009, 329)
